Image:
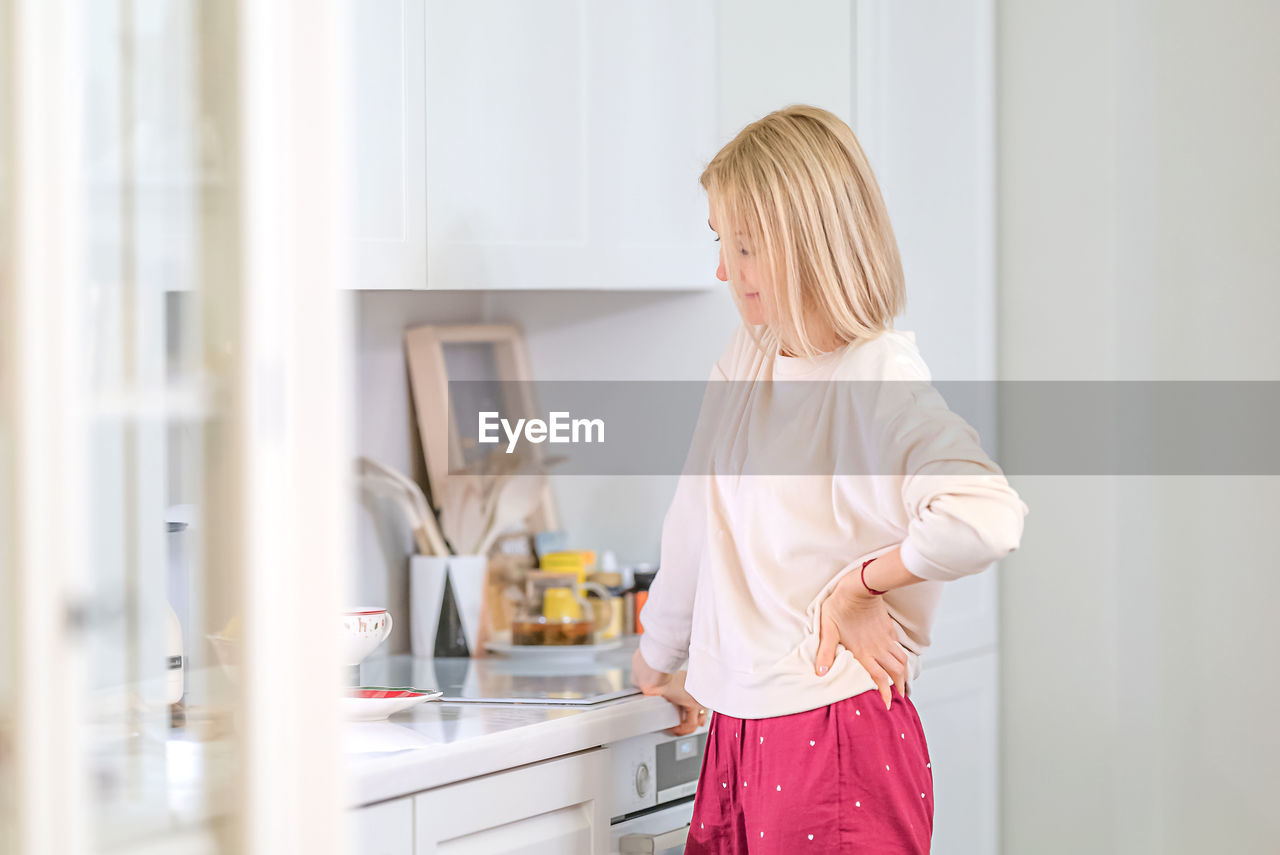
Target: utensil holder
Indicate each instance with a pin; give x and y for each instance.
(446, 604)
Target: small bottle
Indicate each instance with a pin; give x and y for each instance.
(629, 612)
(175, 680)
(644, 578)
(628, 600)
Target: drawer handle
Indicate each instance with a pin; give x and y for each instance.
(666, 843)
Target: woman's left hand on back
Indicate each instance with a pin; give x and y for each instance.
(860, 621)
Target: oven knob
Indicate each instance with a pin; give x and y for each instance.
(642, 780)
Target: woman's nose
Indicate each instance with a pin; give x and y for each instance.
(721, 273)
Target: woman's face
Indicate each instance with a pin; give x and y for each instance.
(750, 288)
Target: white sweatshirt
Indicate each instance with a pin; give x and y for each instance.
(747, 559)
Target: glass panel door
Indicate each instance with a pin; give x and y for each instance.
(162, 742)
(173, 406)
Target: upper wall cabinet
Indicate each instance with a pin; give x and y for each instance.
(774, 54)
(564, 143)
(533, 145)
(389, 170)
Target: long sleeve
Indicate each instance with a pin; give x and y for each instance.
(819, 464)
(668, 613)
(962, 514)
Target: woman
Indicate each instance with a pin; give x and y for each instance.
(802, 596)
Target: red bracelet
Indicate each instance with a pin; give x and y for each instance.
(863, 575)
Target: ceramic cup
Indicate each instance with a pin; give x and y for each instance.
(363, 629)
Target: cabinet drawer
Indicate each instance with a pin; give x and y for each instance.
(382, 829)
(554, 808)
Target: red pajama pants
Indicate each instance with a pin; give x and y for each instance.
(849, 777)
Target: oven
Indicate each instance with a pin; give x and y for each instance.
(653, 780)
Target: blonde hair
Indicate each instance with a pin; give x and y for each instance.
(795, 189)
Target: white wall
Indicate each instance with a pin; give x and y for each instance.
(1139, 207)
(384, 428)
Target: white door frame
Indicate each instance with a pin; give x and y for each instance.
(278, 386)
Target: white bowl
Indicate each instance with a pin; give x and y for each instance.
(362, 630)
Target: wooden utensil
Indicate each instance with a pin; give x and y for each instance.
(518, 498)
(425, 534)
(425, 515)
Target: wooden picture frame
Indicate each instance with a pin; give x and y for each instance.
(437, 354)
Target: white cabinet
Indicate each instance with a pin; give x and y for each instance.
(564, 143)
(775, 54)
(559, 807)
(382, 829)
(387, 145)
(558, 144)
(548, 145)
(958, 705)
(966, 619)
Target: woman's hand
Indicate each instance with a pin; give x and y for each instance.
(669, 686)
(646, 679)
(860, 621)
(692, 713)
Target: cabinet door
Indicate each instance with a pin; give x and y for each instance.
(154, 144)
(775, 54)
(387, 147)
(382, 829)
(553, 808)
(564, 144)
(925, 96)
(958, 704)
(966, 620)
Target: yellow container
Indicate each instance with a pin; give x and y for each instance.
(565, 562)
(560, 604)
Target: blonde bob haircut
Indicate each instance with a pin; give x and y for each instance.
(795, 190)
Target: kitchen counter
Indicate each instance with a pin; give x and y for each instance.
(438, 743)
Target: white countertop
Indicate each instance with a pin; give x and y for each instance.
(436, 744)
(441, 743)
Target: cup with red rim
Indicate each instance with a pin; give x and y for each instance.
(363, 629)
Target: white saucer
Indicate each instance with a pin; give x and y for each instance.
(502, 646)
(374, 703)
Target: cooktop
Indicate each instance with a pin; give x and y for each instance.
(495, 680)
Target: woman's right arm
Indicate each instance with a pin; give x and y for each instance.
(668, 612)
(667, 615)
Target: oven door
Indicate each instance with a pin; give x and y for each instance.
(660, 832)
